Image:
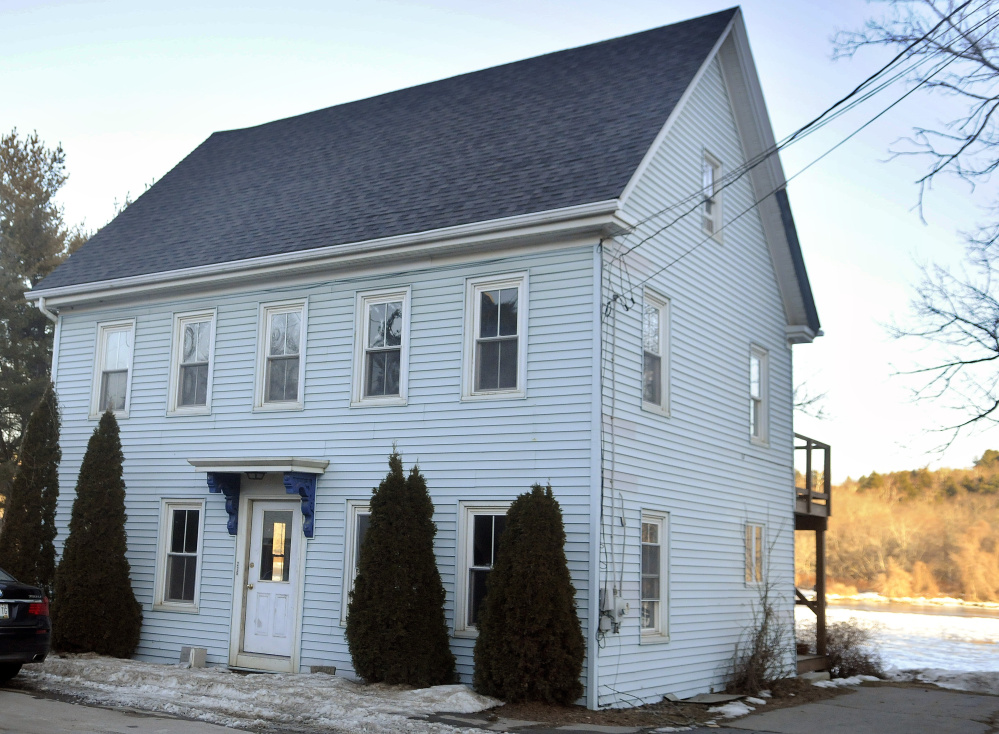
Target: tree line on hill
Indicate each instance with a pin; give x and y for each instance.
(916, 533)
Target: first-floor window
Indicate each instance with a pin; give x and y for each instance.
(358, 520)
(181, 553)
(653, 581)
(754, 553)
(482, 529)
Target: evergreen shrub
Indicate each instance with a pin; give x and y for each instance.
(530, 645)
(27, 548)
(94, 608)
(396, 629)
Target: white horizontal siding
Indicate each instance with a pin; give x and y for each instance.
(698, 464)
(467, 450)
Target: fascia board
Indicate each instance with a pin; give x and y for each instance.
(273, 464)
(600, 218)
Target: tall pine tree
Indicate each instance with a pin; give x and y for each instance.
(94, 608)
(27, 539)
(33, 240)
(530, 645)
(396, 629)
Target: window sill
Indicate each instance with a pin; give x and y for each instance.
(761, 442)
(468, 633)
(189, 411)
(495, 395)
(278, 407)
(657, 409)
(379, 402)
(118, 414)
(183, 608)
(653, 638)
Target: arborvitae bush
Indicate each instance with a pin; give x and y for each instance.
(530, 645)
(94, 608)
(396, 629)
(26, 542)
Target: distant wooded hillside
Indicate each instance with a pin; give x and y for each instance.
(913, 533)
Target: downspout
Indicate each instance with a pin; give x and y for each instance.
(54, 318)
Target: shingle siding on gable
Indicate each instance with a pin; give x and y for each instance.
(553, 131)
(467, 450)
(698, 464)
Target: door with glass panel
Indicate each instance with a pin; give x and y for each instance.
(272, 578)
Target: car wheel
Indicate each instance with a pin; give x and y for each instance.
(8, 671)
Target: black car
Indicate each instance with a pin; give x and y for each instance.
(25, 629)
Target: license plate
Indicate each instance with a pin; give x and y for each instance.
(4, 611)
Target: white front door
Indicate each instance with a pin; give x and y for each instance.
(272, 578)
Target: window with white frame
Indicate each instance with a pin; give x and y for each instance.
(481, 529)
(191, 367)
(113, 368)
(711, 189)
(179, 564)
(755, 545)
(758, 394)
(281, 362)
(654, 581)
(495, 337)
(358, 519)
(381, 347)
(655, 353)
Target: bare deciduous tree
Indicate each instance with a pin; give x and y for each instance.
(951, 50)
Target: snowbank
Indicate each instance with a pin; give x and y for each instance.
(222, 697)
(854, 680)
(977, 682)
(731, 710)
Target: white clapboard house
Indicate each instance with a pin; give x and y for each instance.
(556, 270)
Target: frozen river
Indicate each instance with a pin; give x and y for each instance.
(948, 638)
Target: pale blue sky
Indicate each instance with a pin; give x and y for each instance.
(130, 88)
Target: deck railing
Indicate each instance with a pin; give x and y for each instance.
(810, 499)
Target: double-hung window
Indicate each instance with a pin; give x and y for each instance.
(755, 546)
(495, 337)
(654, 581)
(381, 348)
(358, 519)
(655, 354)
(191, 367)
(113, 368)
(711, 221)
(179, 555)
(759, 378)
(481, 529)
(281, 361)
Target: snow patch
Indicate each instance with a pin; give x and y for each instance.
(973, 682)
(854, 680)
(731, 710)
(755, 701)
(219, 696)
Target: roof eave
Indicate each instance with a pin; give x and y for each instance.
(600, 219)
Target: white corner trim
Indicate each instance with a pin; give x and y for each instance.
(598, 218)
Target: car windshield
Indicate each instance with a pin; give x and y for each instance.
(4, 576)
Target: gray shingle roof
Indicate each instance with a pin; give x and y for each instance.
(558, 130)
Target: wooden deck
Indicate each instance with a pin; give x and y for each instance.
(813, 506)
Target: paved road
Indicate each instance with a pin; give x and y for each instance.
(880, 710)
(25, 713)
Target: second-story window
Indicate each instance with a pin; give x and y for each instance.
(113, 368)
(655, 353)
(758, 394)
(282, 358)
(192, 364)
(494, 350)
(381, 347)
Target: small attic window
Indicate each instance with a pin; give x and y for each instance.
(711, 186)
